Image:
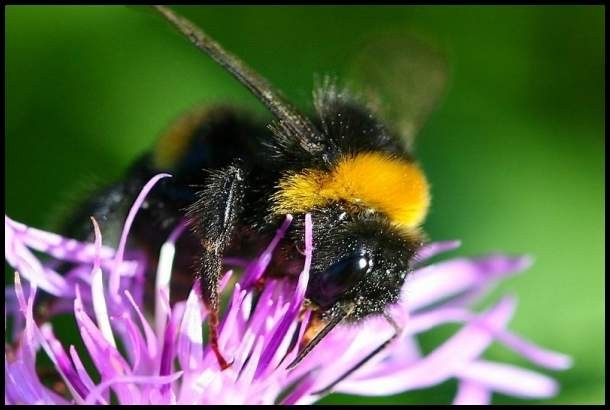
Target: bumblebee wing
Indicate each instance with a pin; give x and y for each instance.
(403, 77)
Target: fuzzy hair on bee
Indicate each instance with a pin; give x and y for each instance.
(235, 178)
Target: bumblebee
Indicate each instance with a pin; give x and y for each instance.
(235, 178)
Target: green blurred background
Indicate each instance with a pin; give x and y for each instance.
(514, 151)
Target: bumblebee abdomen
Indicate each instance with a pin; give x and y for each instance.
(206, 138)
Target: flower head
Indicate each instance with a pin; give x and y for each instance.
(162, 357)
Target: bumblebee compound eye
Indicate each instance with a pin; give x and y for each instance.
(341, 277)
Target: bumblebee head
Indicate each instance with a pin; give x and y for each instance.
(366, 212)
(360, 261)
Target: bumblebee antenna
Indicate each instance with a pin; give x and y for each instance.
(288, 116)
(397, 332)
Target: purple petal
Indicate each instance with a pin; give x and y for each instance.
(225, 280)
(164, 273)
(99, 306)
(64, 366)
(295, 351)
(434, 283)
(140, 356)
(465, 346)
(274, 338)
(282, 348)
(424, 321)
(304, 277)
(508, 379)
(256, 269)
(22, 385)
(165, 312)
(96, 393)
(434, 248)
(344, 347)
(300, 391)
(51, 345)
(228, 327)
(259, 320)
(115, 276)
(62, 248)
(281, 332)
(151, 339)
(190, 333)
(535, 354)
(472, 393)
(80, 369)
(106, 358)
(27, 309)
(167, 354)
(256, 322)
(247, 373)
(24, 261)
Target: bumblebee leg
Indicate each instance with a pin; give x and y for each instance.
(213, 218)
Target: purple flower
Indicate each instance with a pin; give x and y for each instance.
(161, 357)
